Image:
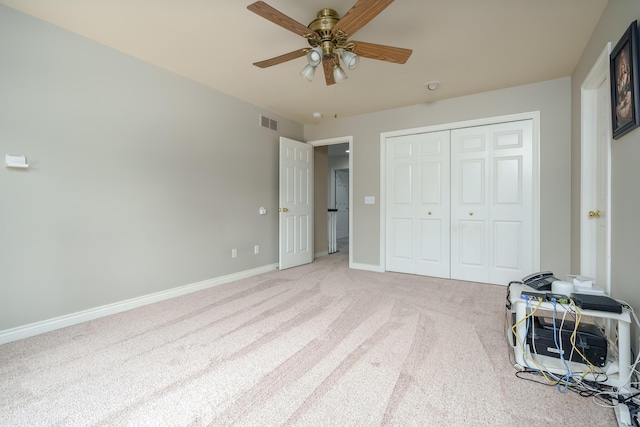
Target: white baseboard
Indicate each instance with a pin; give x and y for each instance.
(367, 267)
(26, 331)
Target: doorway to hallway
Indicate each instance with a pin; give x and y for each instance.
(333, 158)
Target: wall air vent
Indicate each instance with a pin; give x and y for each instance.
(268, 123)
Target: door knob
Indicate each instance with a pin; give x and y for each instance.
(470, 213)
(429, 213)
(593, 214)
(283, 210)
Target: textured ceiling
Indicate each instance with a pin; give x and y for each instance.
(469, 46)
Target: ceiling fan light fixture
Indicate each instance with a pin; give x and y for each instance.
(314, 56)
(308, 71)
(350, 59)
(328, 35)
(338, 74)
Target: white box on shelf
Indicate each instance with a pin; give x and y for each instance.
(582, 281)
(589, 290)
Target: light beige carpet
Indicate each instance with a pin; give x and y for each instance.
(316, 345)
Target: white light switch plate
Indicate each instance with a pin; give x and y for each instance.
(369, 200)
(16, 161)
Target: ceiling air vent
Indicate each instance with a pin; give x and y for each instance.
(268, 123)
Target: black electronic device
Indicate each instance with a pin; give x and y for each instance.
(590, 340)
(540, 281)
(597, 302)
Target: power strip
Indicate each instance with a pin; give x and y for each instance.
(544, 296)
(532, 296)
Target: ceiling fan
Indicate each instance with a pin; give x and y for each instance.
(328, 35)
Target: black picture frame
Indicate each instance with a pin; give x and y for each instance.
(625, 98)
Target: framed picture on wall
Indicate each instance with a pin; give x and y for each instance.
(625, 98)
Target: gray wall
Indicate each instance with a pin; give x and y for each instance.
(551, 98)
(140, 180)
(625, 173)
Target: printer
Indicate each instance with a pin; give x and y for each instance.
(589, 340)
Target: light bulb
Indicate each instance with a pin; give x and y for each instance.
(314, 56)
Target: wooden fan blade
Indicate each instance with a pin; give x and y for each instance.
(381, 52)
(360, 14)
(327, 64)
(280, 59)
(279, 18)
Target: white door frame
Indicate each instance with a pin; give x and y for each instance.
(598, 76)
(343, 140)
(534, 116)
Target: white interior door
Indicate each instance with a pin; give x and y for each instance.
(417, 216)
(296, 203)
(342, 203)
(595, 218)
(601, 215)
(492, 202)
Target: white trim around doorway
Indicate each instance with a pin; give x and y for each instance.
(343, 140)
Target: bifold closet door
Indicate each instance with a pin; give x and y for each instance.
(492, 202)
(417, 208)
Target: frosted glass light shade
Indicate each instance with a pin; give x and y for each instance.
(338, 74)
(350, 59)
(314, 56)
(308, 71)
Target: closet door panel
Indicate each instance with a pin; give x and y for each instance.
(471, 183)
(418, 180)
(507, 250)
(402, 242)
(431, 183)
(400, 227)
(432, 207)
(511, 201)
(431, 241)
(469, 203)
(472, 244)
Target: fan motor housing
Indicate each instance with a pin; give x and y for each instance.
(324, 22)
(322, 26)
